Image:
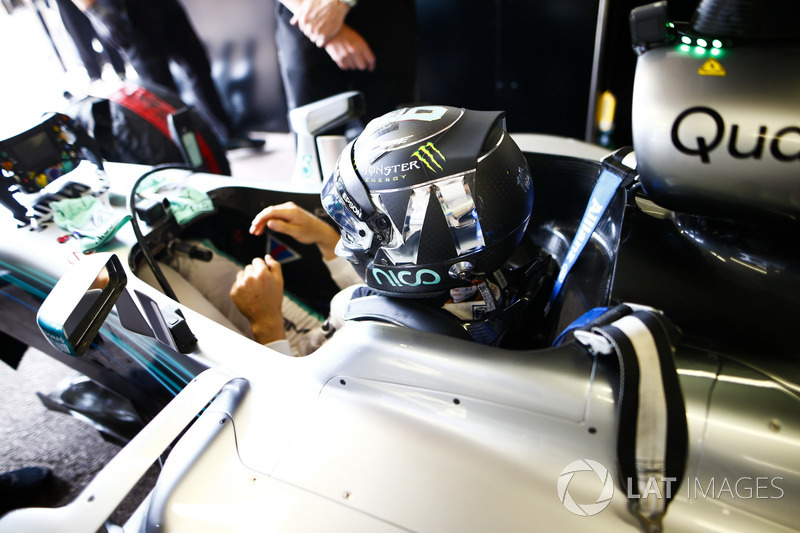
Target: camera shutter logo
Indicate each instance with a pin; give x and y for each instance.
(585, 509)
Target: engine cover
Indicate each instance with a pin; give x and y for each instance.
(717, 130)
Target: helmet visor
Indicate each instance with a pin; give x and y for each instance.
(454, 194)
(355, 233)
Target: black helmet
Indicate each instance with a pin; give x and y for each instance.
(429, 198)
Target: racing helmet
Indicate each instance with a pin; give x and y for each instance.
(428, 199)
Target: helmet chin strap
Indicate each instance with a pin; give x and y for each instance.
(464, 271)
(486, 293)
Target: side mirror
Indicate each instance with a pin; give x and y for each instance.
(76, 308)
(317, 153)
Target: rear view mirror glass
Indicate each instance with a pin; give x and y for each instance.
(76, 308)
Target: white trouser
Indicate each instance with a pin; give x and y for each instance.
(204, 286)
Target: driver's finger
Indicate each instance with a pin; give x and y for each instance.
(258, 265)
(281, 226)
(285, 211)
(274, 266)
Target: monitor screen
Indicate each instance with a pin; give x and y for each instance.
(35, 152)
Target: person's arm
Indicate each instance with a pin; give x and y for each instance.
(293, 220)
(342, 272)
(109, 21)
(258, 294)
(322, 21)
(319, 20)
(304, 227)
(350, 51)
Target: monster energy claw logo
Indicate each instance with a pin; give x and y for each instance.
(427, 153)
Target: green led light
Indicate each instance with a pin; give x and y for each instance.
(716, 43)
(684, 48)
(686, 39)
(715, 51)
(699, 50)
(702, 42)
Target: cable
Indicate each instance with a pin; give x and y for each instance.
(138, 232)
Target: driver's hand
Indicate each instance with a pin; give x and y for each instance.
(258, 294)
(304, 227)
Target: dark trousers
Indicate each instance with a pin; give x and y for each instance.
(82, 33)
(161, 32)
(390, 29)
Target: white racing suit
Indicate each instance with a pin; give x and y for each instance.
(204, 286)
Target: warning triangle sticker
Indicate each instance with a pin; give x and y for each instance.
(280, 251)
(712, 67)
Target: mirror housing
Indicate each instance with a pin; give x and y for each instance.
(74, 311)
(316, 154)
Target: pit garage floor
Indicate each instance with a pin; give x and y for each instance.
(30, 435)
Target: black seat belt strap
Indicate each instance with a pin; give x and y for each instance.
(652, 433)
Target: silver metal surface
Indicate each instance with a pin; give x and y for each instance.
(729, 140)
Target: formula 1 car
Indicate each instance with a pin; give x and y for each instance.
(652, 384)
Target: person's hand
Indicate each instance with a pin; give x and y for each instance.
(258, 294)
(304, 227)
(320, 20)
(350, 51)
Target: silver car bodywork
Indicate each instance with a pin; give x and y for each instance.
(390, 429)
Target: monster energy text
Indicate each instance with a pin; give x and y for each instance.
(388, 170)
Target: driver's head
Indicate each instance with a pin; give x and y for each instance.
(428, 198)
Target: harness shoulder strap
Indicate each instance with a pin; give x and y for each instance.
(613, 176)
(652, 432)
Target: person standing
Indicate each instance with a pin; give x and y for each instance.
(326, 47)
(82, 33)
(153, 33)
